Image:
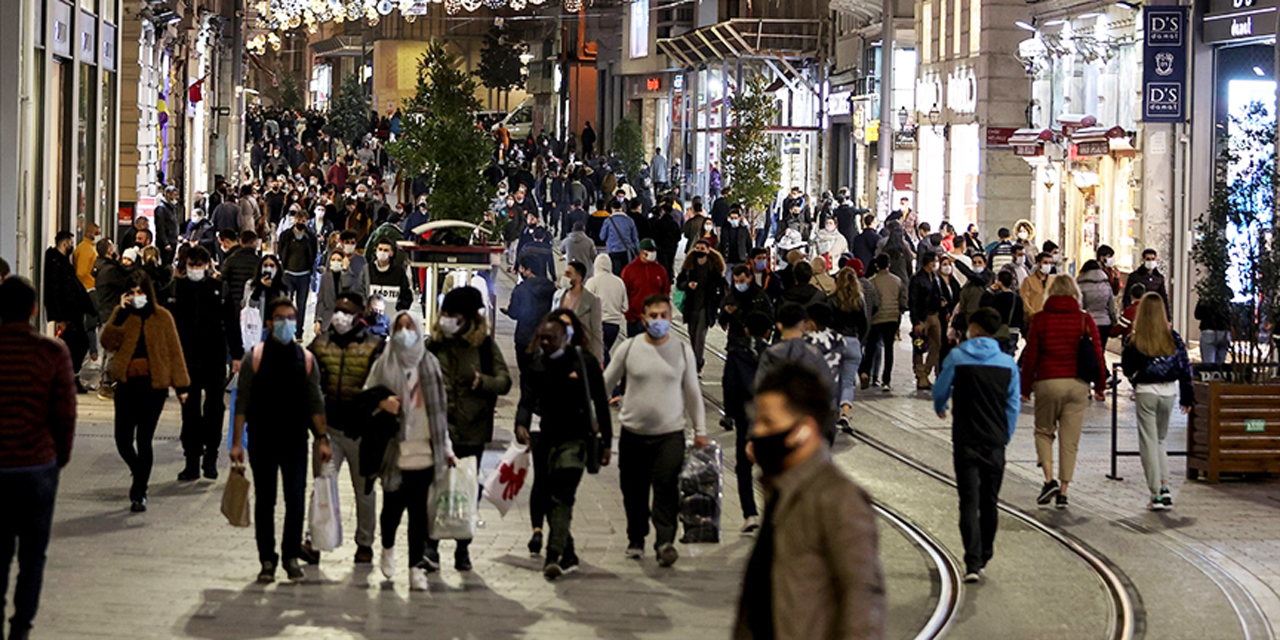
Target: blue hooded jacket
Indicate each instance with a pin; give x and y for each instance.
(986, 388)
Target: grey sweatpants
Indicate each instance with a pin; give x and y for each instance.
(1153, 427)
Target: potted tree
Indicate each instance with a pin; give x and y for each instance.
(1234, 426)
(751, 160)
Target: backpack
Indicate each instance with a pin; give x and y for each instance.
(257, 358)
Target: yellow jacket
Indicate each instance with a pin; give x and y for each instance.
(83, 258)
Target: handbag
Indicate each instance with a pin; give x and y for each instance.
(235, 498)
(1086, 357)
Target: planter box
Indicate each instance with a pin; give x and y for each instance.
(1233, 428)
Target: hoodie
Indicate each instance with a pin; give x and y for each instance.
(986, 384)
(610, 289)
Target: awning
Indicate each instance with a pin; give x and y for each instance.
(1030, 142)
(1096, 141)
(339, 46)
(778, 40)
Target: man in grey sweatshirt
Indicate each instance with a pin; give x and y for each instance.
(662, 396)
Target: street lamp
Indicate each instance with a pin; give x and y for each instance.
(902, 118)
(935, 116)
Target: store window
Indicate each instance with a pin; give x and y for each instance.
(87, 139)
(106, 175)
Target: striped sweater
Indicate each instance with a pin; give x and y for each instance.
(37, 398)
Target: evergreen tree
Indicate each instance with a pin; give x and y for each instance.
(440, 139)
(349, 111)
(500, 65)
(628, 149)
(751, 163)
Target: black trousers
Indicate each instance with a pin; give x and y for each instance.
(979, 472)
(138, 409)
(539, 496)
(283, 463)
(411, 496)
(26, 499)
(76, 337)
(650, 462)
(880, 334)
(742, 466)
(203, 412)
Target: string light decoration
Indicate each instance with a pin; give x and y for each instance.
(285, 15)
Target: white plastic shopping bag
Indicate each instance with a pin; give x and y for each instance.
(326, 518)
(250, 326)
(503, 485)
(451, 505)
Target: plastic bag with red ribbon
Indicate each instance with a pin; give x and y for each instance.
(503, 486)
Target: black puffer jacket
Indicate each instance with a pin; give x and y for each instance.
(207, 328)
(64, 296)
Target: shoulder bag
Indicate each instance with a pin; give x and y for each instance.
(1086, 357)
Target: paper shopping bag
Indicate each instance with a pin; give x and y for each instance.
(503, 485)
(235, 498)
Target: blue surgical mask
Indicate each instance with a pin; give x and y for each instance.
(283, 330)
(568, 332)
(742, 286)
(658, 328)
(760, 265)
(406, 338)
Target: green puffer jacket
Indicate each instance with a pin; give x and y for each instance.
(344, 364)
(471, 410)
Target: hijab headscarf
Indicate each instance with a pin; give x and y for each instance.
(413, 375)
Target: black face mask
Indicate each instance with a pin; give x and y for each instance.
(771, 450)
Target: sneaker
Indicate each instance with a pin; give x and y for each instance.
(535, 543)
(843, 424)
(418, 579)
(1156, 504)
(751, 524)
(886, 387)
(388, 562)
(569, 561)
(462, 559)
(308, 554)
(139, 505)
(294, 570)
(635, 551)
(1047, 493)
(726, 423)
(667, 555)
(1060, 501)
(972, 577)
(106, 392)
(552, 569)
(431, 560)
(268, 573)
(1166, 498)
(364, 555)
(864, 380)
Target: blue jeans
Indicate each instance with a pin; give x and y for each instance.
(1214, 346)
(849, 362)
(298, 288)
(26, 499)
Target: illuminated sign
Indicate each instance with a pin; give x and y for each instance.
(653, 84)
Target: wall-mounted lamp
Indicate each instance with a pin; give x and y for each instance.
(903, 116)
(935, 116)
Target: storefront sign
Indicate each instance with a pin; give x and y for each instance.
(1164, 64)
(999, 136)
(873, 131)
(1097, 148)
(677, 83)
(1255, 426)
(838, 103)
(1239, 20)
(1028, 150)
(653, 84)
(903, 182)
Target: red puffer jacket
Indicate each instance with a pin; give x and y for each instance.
(1053, 341)
(643, 279)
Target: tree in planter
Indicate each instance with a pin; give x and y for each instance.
(349, 111)
(439, 139)
(1235, 246)
(751, 163)
(628, 149)
(500, 66)
(291, 96)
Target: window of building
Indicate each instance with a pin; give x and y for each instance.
(640, 28)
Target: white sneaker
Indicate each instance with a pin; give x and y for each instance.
(417, 579)
(751, 524)
(388, 562)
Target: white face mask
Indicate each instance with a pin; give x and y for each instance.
(946, 270)
(1149, 264)
(407, 338)
(565, 282)
(343, 321)
(831, 228)
(710, 226)
(1022, 235)
(979, 269)
(450, 325)
(269, 272)
(349, 249)
(647, 256)
(195, 275)
(384, 257)
(336, 266)
(1109, 261)
(139, 301)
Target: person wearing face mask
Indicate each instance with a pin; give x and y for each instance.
(662, 398)
(1148, 275)
(644, 277)
(790, 323)
(208, 330)
(66, 302)
(735, 241)
(970, 296)
(984, 415)
(384, 278)
(267, 284)
(763, 275)
(148, 361)
(406, 382)
(814, 517)
(238, 269)
(1096, 298)
(345, 352)
(621, 239)
(474, 375)
(298, 258)
(347, 246)
(612, 293)
(742, 298)
(1033, 287)
(109, 282)
(573, 295)
(85, 255)
(829, 242)
(335, 281)
(279, 395)
(1107, 260)
(695, 223)
(703, 283)
(567, 391)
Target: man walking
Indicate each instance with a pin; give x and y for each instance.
(815, 570)
(644, 278)
(65, 300)
(279, 394)
(986, 388)
(621, 239)
(37, 425)
(530, 302)
(925, 302)
(661, 398)
(298, 259)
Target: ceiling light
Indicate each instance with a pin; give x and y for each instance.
(1023, 25)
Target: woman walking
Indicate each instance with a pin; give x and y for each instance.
(852, 321)
(148, 361)
(410, 383)
(702, 281)
(1053, 369)
(1156, 363)
(1097, 298)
